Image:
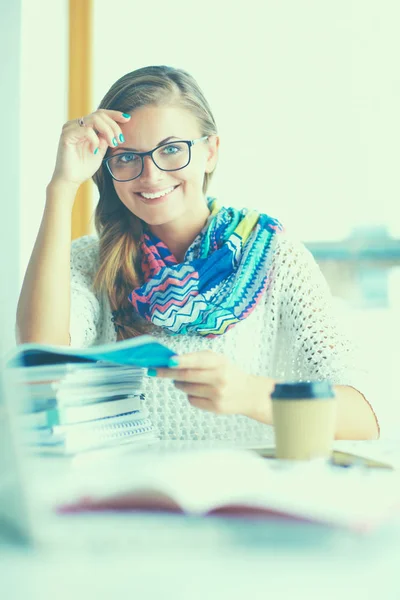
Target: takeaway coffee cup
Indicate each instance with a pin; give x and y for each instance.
(304, 417)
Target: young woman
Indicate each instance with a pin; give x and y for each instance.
(241, 303)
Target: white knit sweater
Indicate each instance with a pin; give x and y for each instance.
(294, 334)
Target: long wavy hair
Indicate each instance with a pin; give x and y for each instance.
(118, 229)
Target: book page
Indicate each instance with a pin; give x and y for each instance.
(195, 481)
(216, 480)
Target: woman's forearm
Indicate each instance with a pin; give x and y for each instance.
(44, 302)
(355, 417)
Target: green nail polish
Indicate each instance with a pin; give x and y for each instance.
(173, 362)
(114, 141)
(96, 151)
(151, 372)
(126, 115)
(121, 138)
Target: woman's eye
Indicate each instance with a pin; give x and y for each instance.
(126, 158)
(171, 149)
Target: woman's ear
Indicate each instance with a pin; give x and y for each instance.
(212, 159)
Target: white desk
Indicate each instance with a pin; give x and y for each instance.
(169, 556)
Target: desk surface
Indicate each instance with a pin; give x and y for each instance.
(170, 556)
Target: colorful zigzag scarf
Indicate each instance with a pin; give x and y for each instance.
(221, 280)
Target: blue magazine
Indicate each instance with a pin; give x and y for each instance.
(142, 351)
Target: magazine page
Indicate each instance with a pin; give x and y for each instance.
(142, 351)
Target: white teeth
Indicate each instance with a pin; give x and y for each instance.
(159, 195)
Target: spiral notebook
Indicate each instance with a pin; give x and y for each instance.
(62, 440)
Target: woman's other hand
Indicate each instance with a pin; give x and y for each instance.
(213, 383)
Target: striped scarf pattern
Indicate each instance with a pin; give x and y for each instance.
(221, 281)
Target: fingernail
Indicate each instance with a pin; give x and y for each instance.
(126, 115)
(121, 138)
(114, 141)
(173, 362)
(96, 151)
(151, 372)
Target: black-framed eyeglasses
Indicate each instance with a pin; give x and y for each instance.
(172, 156)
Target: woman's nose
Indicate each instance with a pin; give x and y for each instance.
(150, 169)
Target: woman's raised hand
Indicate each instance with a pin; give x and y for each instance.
(82, 147)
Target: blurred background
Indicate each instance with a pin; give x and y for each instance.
(306, 97)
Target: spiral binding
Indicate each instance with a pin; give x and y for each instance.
(119, 430)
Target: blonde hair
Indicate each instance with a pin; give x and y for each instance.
(120, 230)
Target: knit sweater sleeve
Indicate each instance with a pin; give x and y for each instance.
(320, 346)
(85, 310)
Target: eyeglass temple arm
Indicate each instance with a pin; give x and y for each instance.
(193, 142)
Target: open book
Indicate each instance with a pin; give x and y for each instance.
(240, 482)
(142, 351)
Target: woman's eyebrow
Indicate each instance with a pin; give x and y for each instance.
(171, 137)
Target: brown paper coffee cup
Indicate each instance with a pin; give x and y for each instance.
(304, 417)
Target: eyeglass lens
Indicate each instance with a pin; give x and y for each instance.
(168, 157)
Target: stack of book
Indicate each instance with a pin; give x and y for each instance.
(78, 400)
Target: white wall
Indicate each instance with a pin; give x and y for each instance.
(10, 23)
(306, 96)
(43, 109)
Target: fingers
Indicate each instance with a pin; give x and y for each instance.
(207, 397)
(194, 389)
(101, 124)
(191, 375)
(205, 359)
(116, 115)
(202, 403)
(93, 138)
(118, 135)
(105, 127)
(215, 377)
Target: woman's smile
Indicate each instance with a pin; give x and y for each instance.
(160, 196)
